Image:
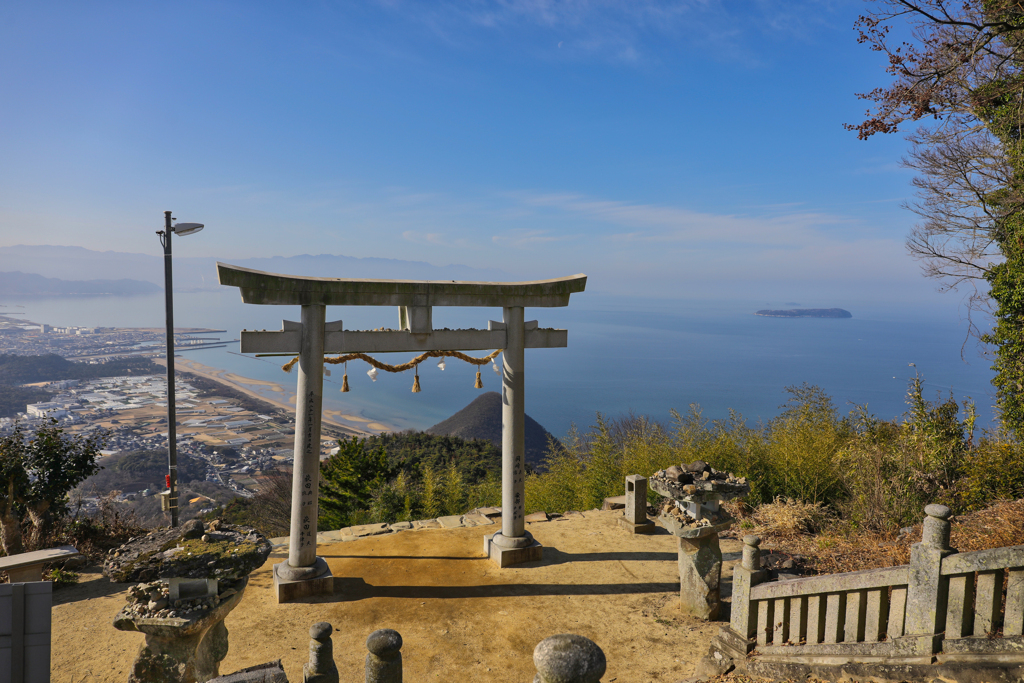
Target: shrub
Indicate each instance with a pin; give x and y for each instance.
(61, 578)
(993, 470)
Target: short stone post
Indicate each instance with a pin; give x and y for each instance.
(321, 667)
(928, 590)
(384, 661)
(634, 519)
(568, 658)
(745, 576)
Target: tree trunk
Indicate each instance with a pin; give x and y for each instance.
(39, 513)
(10, 531)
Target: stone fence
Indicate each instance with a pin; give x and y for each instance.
(943, 614)
(564, 658)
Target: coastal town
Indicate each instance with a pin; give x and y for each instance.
(235, 439)
(26, 338)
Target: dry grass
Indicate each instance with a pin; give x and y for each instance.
(997, 526)
(835, 550)
(785, 519)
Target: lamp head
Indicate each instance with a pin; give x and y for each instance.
(182, 229)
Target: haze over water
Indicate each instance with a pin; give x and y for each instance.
(642, 355)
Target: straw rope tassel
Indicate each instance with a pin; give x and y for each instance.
(416, 381)
(479, 382)
(344, 379)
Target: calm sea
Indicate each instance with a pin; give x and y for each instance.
(624, 355)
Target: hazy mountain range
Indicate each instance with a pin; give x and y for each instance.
(37, 285)
(72, 264)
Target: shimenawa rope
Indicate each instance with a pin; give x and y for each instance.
(414, 363)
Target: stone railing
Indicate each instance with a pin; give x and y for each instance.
(944, 608)
(564, 658)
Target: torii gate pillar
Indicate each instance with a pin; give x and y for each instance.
(513, 544)
(304, 573)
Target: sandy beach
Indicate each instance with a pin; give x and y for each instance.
(279, 396)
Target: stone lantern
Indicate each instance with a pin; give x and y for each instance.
(191, 578)
(693, 514)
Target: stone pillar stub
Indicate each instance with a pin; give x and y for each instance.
(321, 667)
(384, 659)
(700, 572)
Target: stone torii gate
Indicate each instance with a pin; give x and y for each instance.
(304, 573)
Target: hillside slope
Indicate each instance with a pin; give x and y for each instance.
(481, 419)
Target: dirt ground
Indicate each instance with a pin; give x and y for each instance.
(460, 617)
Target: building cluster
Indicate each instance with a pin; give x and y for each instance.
(235, 445)
(22, 338)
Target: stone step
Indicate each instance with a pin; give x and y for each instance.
(476, 519)
(451, 521)
(614, 503)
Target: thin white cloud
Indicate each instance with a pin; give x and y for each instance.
(658, 223)
(632, 32)
(424, 237)
(522, 238)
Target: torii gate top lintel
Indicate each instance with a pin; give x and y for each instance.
(260, 287)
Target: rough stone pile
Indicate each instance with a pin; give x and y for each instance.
(671, 509)
(195, 551)
(688, 480)
(150, 601)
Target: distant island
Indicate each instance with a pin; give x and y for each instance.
(808, 313)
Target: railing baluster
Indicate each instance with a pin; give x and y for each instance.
(780, 622)
(897, 612)
(1013, 620)
(853, 628)
(815, 619)
(877, 615)
(989, 601)
(797, 619)
(835, 616)
(960, 606)
(764, 621)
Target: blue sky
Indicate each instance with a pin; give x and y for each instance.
(688, 149)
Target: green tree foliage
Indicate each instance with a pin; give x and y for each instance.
(1002, 113)
(892, 469)
(348, 480)
(431, 502)
(875, 473)
(36, 475)
(410, 451)
(13, 400)
(406, 476)
(802, 445)
(51, 367)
